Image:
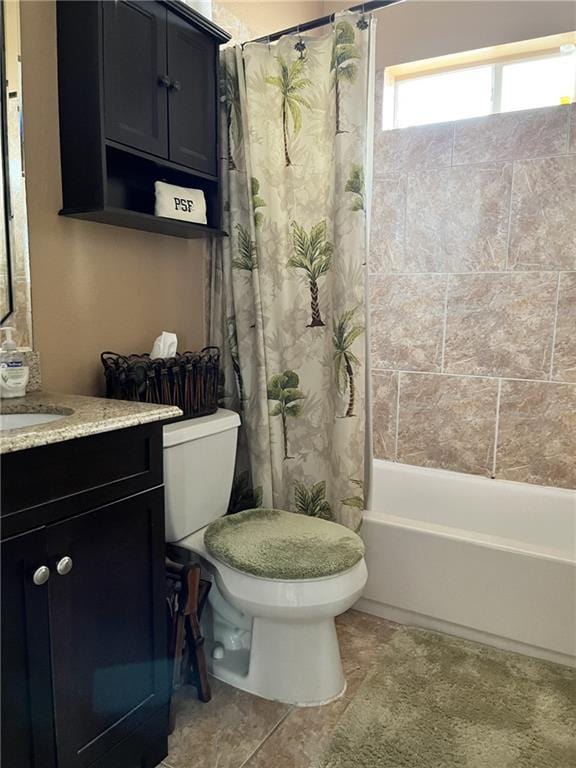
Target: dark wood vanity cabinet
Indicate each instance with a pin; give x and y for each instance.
(84, 666)
(27, 713)
(138, 93)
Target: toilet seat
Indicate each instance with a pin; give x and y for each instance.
(262, 596)
(274, 544)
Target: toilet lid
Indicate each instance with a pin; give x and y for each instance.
(274, 544)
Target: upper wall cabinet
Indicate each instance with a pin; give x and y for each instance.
(138, 88)
(136, 77)
(190, 57)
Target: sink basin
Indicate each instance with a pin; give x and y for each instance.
(18, 420)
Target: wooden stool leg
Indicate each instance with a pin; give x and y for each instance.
(177, 667)
(194, 633)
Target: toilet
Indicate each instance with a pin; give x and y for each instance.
(269, 624)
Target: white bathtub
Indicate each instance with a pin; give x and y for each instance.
(489, 560)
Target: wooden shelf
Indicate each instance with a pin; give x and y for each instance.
(121, 217)
(160, 162)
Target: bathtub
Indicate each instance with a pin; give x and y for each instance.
(488, 560)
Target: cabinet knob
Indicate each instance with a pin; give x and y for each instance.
(176, 85)
(41, 575)
(164, 80)
(64, 565)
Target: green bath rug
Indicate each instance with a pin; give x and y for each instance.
(435, 701)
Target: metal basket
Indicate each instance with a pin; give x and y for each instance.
(188, 381)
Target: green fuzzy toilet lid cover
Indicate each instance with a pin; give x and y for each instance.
(274, 544)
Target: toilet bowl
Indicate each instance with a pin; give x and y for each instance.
(273, 637)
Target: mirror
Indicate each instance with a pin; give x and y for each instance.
(15, 301)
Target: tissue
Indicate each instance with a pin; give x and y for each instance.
(165, 345)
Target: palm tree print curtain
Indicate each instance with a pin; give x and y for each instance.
(287, 285)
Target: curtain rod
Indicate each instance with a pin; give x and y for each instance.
(306, 26)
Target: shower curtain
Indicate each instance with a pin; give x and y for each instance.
(287, 304)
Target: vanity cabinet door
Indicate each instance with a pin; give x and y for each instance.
(107, 607)
(135, 75)
(27, 733)
(192, 64)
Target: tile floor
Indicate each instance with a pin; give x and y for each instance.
(238, 730)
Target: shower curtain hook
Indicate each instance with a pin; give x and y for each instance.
(362, 23)
(300, 45)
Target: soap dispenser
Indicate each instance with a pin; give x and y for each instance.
(13, 372)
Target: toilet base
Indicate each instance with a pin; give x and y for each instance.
(284, 662)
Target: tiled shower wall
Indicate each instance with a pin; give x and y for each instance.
(473, 296)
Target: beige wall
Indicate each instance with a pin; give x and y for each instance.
(420, 29)
(473, 296)
(262, 18)
(96, 287)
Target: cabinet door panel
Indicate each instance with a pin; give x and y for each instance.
(27, 732)
(192, 63)
(134, 61)
(108, 625)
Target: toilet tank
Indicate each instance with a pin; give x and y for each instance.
(199, 456)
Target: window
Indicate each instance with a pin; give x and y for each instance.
(472, 84)
(540, 82)
(445, 96)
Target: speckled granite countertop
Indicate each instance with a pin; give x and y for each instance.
(83, 416)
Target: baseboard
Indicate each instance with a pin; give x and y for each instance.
(411, 618)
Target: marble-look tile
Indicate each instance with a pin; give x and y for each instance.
(537, 433)
(409, 149)
(542, 217)
(387, 224)
(457, 219)
(21, 317)
(225, 732)
(572, 139)
(564, 368)
(300, 738)
(511, 135)
(362, 638)
(500, 324)
(384, 401)
(447, 422)
(407, 321)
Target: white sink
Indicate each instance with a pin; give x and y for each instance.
(18, 420)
